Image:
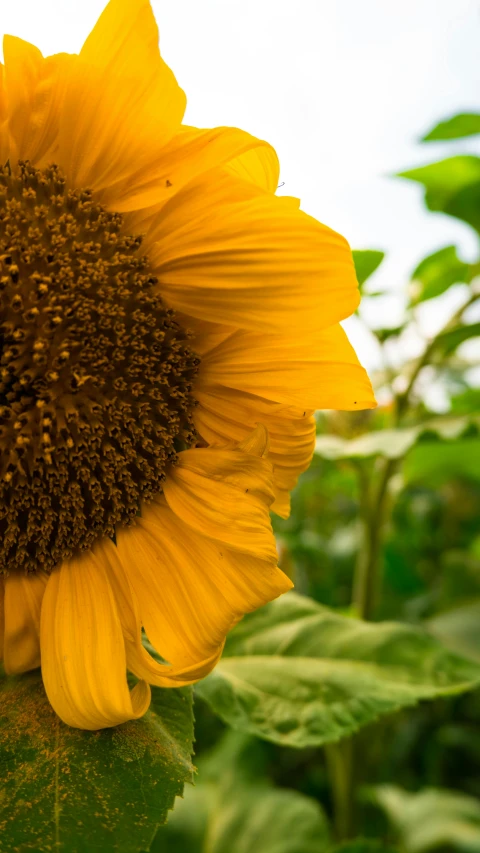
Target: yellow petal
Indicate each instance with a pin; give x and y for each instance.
(260, 166)
(320, 371)
(230, 253)
(83, 653)
(34, 91)
(191, 590)
(190, 153)
(139, 661)
(224, 415)
(226, 495)
(123, 101)
(23, 602)
(2, 616)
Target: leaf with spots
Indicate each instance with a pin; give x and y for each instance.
(68, 790)
(300, 675)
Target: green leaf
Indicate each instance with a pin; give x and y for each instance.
(467, 402)
(452, 186)
(366, 262)
(449, 341)
(390, 332)
(273, 821)
(71, 790)
(363, 845)
(459, 629)
(391, 443)
(433, 463)
(436, 273)
(431, 819)
(300, 675)
(457, 127)
(239, 819)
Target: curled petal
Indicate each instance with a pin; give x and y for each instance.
(226, 494)
(194, 578)
(224, 415)
(83, 653)
(190, 591)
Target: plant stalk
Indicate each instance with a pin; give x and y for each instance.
(339, 763)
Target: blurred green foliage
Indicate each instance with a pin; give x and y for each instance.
(384, 526)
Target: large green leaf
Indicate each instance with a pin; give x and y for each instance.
(366, 262)
(436, 273)
(432, 819)
(452, 186)
(457, 127)
(432, 463)
(80, 792)
(391, 443)
(301, 675)
(241, 819)
(459, 629)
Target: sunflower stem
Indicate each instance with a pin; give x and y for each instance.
(339, 763)
(373, 515)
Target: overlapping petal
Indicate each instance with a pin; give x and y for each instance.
(225, 495)
(21, 630)
(228, 252)
(2, 617)
(33, 95)
(190, 153)
(225, 415)
(83, 654)
(194, 581)
(320, 371)
(123, 101)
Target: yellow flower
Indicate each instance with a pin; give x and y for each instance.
(155, 401)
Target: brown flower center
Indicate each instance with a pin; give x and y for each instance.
(96, 374)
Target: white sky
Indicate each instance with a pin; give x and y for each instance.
(342, 88)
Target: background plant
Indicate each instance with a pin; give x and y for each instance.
(344, 716)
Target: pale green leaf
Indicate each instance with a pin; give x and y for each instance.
(240, 819)
(459, 629)
(363, 845)
(457, 127)
(80, 792)
(449, 341)
(432, 463)
(451, 186)
(366, 262)
(436, 273)
(301, 675)
(391, 443)
(431, 819)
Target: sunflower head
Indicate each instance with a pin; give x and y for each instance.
(168, 326)
(96, 375)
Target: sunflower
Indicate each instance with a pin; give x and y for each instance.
(167, 328)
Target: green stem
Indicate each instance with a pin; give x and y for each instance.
(374, 508)
(403, 399)
(373, 513)
(339, 763)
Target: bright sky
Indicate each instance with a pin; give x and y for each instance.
(343, 89)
